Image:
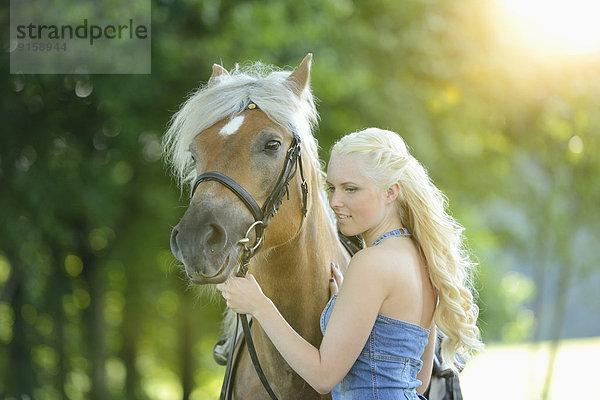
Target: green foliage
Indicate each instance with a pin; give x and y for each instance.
(91, 302)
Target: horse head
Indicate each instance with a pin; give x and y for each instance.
(241, 127)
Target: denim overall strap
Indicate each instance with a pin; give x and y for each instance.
(395, 232)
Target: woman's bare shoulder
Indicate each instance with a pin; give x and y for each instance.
(385, 262)
(393, 253)
(379, 261)
(363, 272)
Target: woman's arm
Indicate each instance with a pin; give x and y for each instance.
(352, 319)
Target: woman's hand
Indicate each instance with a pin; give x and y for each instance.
(335, 282)
(243, 295)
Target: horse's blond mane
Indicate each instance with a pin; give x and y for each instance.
(265, 85)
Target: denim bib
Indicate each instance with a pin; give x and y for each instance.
(388, 364)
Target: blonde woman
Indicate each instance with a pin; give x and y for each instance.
(412, 276)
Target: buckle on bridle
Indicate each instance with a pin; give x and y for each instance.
(258, 240)
(249, 251)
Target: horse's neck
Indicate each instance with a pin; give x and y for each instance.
(296, 275)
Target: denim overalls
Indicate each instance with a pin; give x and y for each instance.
(388, 365)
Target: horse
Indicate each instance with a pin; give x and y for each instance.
(238, 127)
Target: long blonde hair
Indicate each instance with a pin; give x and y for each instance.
(422, 209)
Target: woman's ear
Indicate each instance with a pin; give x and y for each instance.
(391, 193)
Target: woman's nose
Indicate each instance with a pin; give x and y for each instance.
(334, 200)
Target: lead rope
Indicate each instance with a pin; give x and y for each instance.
(226, 389)
(254, 356)
(229, 367)
(225, 393)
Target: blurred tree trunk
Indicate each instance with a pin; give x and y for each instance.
(560, 307)
(540, 277)
(131, 333)
(129, 357)
(539, 261)
(59, 346)
(94, 317)
(185, 347)
(567, 219)
(21, 375)
(59, 287)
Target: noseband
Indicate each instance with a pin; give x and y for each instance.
(262, 218)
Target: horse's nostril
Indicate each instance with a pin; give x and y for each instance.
(174, 246)
(216, 237)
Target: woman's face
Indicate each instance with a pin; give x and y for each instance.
(357, 203)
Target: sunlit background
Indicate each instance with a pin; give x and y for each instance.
(561, 28)
(498, 98)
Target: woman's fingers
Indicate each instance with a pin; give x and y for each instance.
(335, 282)
(337, 273)
(243, 294)
(333, 287)
(224, 288)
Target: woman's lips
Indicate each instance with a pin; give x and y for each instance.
(342, 217)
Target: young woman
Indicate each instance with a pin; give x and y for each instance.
(412, 276)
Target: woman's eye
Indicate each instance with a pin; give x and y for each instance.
(273, 145)
(330, 189)
(350, 189)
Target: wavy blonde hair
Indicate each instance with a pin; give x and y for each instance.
(422, 209)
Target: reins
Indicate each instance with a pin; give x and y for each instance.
(262, 218)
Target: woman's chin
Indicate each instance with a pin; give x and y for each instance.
(347, 231)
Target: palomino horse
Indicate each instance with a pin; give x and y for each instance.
(241, 126)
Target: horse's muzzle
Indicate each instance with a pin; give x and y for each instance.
(203, 249)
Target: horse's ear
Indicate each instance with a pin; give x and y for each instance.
(217, 74)
(299, 78)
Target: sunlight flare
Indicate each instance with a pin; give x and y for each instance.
(570, 27)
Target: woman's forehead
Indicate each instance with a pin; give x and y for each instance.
(345, 167)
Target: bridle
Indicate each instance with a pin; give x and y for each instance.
(262, 218)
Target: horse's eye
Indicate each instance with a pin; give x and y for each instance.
(273, 145)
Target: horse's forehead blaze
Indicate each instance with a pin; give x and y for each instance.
(220, 147)
(232, 126)
(232, 154)
(237, 132)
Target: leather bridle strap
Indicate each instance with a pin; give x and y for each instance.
(232, 185)
(239, 191)
(293, 162)
(262, 217)
(226, 388)
(254, 357)
(230, 368)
